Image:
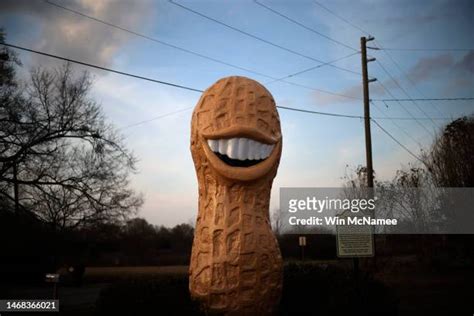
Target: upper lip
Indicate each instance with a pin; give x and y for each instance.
(242, 132)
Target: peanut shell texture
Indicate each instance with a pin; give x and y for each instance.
(236, 143)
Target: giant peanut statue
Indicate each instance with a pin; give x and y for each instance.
(236, 265)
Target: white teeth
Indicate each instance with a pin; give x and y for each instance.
(241, 148)
(213, 144)
(258, 154)
(252, 149)
(222, 146)
(268, 150)
(232, 147)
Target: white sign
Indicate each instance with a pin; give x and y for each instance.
(302, 241)
(354, 240)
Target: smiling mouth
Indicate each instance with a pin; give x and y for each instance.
(240, 152)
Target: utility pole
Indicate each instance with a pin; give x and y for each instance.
(365, 83)
(368, 136)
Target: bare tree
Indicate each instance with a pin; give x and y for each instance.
(450, 159)
(410, 196)
(72, 167)
(276, 221)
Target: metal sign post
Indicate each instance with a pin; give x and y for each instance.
(53, 278)
(354, 241)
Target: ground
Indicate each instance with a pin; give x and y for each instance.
(416, 293)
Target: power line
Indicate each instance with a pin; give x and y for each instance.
(398, 126)
(403, 107)
(156, 118)
(406, 76)
(304, 26)
(101, 68)
(214, 59)
(429, 49)
(283, 108)
(319, 113)
(352, 116)
(385, 49)
(153, 39)
(425, 99)
(378, 125)
(198, 90)
(158, 81)
(311, 68)
(341, 18)
(397, 141)
(257, 37)
(402, 49)
(185, 88)
(363, 31)
(320, 90)
(404, 91)
(390, 48)
(196, 53)
(138, 76)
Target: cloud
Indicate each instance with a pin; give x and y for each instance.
(427, 67)
(467, 63)
(445, 66)
(463, 81)
(430, 67)
(67, 34)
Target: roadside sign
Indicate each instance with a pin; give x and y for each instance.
(354, 241)
(52, 278)
(302, 241)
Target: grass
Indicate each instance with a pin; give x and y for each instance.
(308, 289)
(143, 296)
(113, 274)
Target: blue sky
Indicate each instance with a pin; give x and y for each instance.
(316, 149)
